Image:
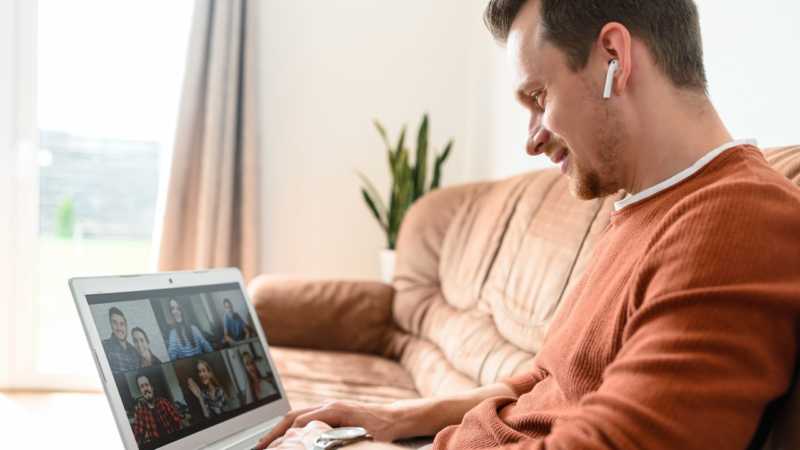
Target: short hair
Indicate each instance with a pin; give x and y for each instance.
(135, 329)
(114, 310)
(670, 28)
(224, 301)
(141, 375)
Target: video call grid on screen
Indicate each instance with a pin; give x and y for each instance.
(183, 359)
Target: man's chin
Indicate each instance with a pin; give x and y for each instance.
(580, 193)
(587, 187)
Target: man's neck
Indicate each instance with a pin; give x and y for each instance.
(670, 138)
(122, 343)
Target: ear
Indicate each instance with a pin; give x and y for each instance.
(614, 42)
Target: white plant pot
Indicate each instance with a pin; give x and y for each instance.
(387, 265)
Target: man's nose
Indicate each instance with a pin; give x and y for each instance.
(537, 141)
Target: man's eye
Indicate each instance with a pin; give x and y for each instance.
(538, 98)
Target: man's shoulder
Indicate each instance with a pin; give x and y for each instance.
(164, 403)
(745, 191)
(108, 343)
(740, 227)
(731, 211)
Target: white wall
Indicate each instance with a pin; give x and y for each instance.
(508, 120)
(327, 69)
(752, 53)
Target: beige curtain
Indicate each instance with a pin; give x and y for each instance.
(212, 208)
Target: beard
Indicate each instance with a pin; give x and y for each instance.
(600, 181)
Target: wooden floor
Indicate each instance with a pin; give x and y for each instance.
(57, 420)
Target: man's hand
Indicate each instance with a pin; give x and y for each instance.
(300, 438)
(380, 421)
(401, 419)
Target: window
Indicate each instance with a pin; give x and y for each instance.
(103, 108)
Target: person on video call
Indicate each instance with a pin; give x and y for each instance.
(258, 386)
(209, 392)
(685, 325)
(235, 329)
(185, 339)
(142, 344)
(153, 417)
(122, 356)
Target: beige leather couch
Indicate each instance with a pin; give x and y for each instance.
(481, 270)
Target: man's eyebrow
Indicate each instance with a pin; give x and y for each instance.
(523, 90)
(527, 86)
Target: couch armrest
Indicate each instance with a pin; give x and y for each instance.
(352, 316)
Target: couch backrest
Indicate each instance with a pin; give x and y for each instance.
(482, 269)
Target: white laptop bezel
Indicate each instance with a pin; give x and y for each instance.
(81, 287)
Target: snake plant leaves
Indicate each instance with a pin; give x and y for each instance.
(377, 201)
(421, 167)
(437, 167)
(382, 132)
(371, 204)
(401, 142)
(408, 180)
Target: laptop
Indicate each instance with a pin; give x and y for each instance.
(182, 358)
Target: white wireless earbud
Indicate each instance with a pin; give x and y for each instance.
(613, 66)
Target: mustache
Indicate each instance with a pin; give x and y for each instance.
(547, 140)
(544, 148)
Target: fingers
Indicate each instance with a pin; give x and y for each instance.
(328, 414)
(281, 428)
(301, 437)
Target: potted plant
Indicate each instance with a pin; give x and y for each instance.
(409, 183)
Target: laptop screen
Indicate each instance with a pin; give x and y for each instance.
(183, 359)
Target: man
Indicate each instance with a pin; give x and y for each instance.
(121, 355)
(234, 327)
(154, 417)
(684, 327)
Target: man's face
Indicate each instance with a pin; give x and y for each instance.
(228, 307)
(145, 388)
(570, 122)
(119, 326)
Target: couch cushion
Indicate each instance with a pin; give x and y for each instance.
(311, 377)
(507, 252)
(785, 160)
(538, 257)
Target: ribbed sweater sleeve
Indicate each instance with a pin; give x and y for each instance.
(712, 332)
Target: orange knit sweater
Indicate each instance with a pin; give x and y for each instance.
(683, 328)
